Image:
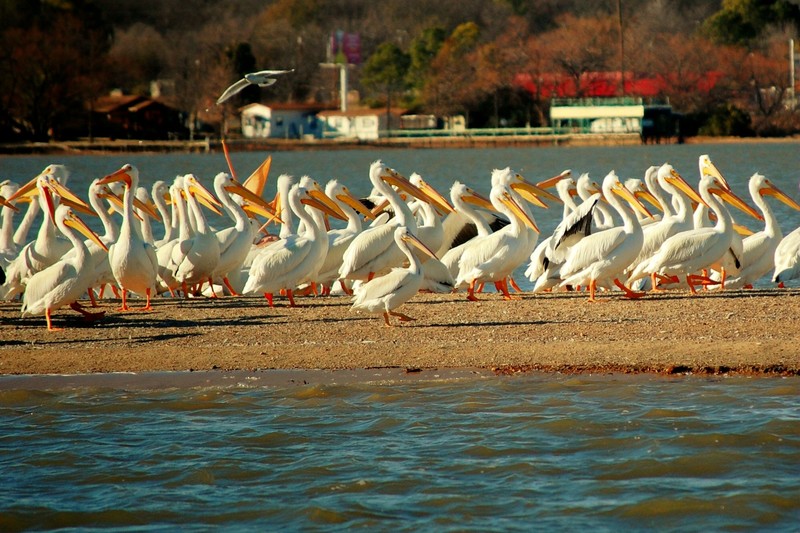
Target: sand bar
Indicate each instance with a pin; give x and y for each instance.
(747, 331)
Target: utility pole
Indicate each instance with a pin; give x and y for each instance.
(343, 80)
(792, 93)
(621, 50)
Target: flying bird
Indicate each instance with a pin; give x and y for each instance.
(262, 78)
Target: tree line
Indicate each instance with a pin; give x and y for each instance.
(448, 57)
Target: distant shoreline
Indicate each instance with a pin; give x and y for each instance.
(106, 146)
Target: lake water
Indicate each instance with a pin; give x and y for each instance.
(534, 452)
(476, 452)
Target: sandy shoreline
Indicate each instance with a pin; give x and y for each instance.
(735, 332)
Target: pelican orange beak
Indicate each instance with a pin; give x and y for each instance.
(529, 191)
(30, 190)
(730, 197)
(27, 191)
(378, 209)
(120, 175)
(6, 203)
(414, 241)
(314, 199)
(255, 183)
(643, 194)
(549, 183)
(475, 198)
(401, 182)
(251, 197)
(69, 198)
(677, 180)
(348, 198)
(744, 231)
(620, 190)
(148, 208)
(707, 168)
(203, 195)
(72, 220)
(771, 190)
(435, 198)
(512, 204)
(264, 211)
(330, 206)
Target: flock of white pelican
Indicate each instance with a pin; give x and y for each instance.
(404, 238)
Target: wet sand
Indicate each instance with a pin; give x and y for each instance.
(733, 332)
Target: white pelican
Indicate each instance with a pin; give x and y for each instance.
(430, 231)
(670, 224)
(97, 257)
(194, 259)
(601, 258)
(66, 280)
(133, 261)
(384, 294)
(49, 246)
(262, 78)
(235, 241)
(165, 280)
(758, 250)
(339, 239)
(787, 258)
(374, 250)
(285, 263)
(571, 230)
(486, 259)
(465, 200)
(691, 251)
(602, 215)
(159, 194)
(8, 249)
(539, 260)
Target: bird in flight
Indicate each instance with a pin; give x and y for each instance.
(262, 78)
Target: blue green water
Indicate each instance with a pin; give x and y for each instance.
(539, 452)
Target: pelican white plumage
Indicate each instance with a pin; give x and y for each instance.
(758, 250)
(159, 194)
(287, 262)
(340, 238)
(601, 258)
(8, 248)
(165, 280)
(488, 259)
(234, 241)
(465, 200)
(384, 294)
(48, 246)
(262, 78)
(374, 250)
(97, 258)
(63, 282)
(571, 230)
(539, 259)
(602, 216)
(133, 261)
(787, 258)
(686, 253)
(430, 231)
(194, 259)
(671, 223)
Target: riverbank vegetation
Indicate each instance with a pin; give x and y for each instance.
(723, 65)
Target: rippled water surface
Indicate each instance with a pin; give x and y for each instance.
(483, 454)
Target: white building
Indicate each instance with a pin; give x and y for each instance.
(364, 124)
(281, 121)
